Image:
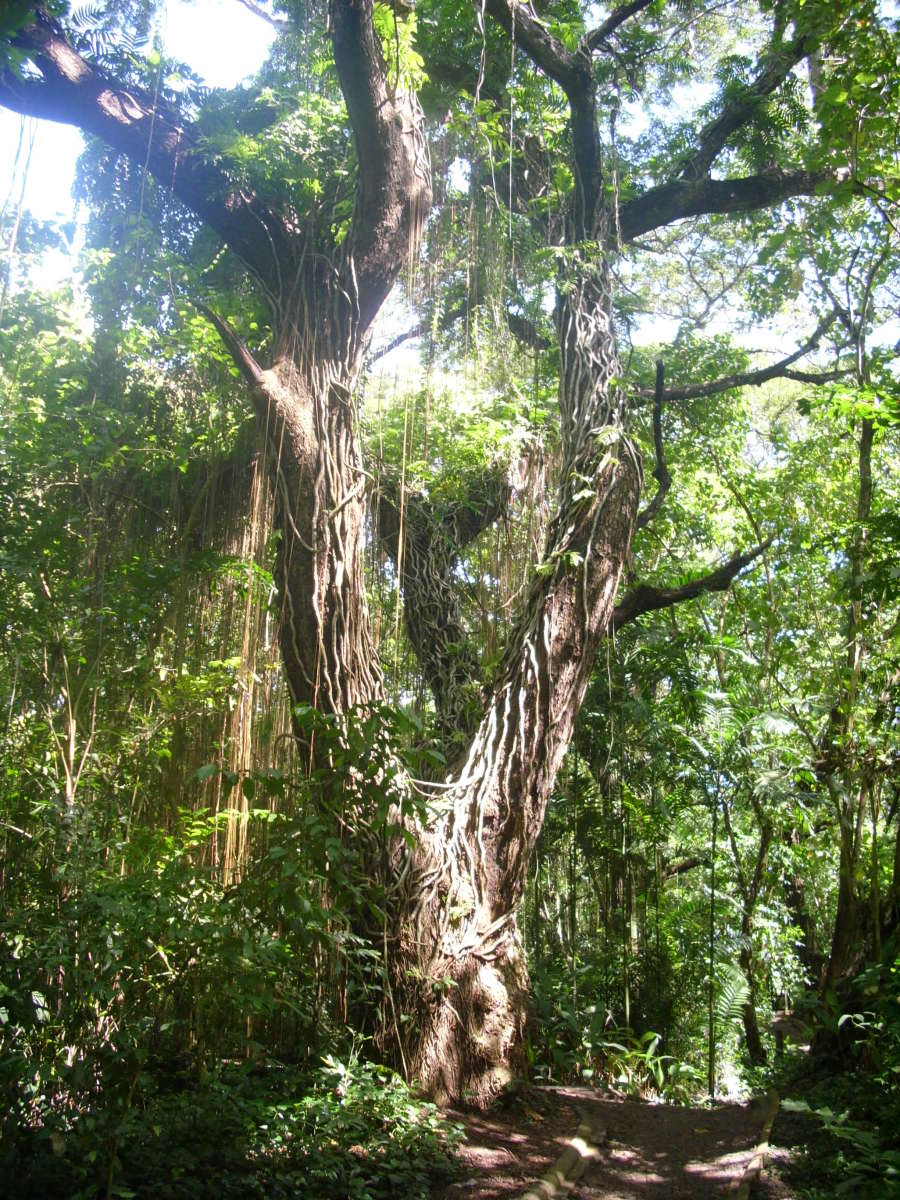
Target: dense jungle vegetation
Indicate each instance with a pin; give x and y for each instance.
(449, 586)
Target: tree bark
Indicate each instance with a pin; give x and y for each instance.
(749, 887)
(459, 940)
(755, 1049)
(425, 557)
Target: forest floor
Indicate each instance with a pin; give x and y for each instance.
(648, 1151)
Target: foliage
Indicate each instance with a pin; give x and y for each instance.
(860, 1107)
(346, 1129)
(161, 973)
(579, 1042)
(866, 1162)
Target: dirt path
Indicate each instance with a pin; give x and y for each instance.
(651, 1151)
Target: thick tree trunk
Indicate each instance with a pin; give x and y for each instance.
(455, 957)
(460, 965)
(328, 651)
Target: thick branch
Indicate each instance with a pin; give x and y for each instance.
(433, 541)
(394, 181)
(545, 51)
(575, 75)
(694, 198)
(73, 92)
(645, 598)
(527, 333)
(487, 497)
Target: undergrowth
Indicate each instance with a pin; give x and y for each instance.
(847, 1096)
(347, 1131)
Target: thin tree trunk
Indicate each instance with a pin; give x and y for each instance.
(755, 1048)
(838, 767)
(749, 887)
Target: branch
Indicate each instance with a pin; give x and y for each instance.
(236, 347)
(645, 598)
(417, 331)
(525, 332)
(487, 497)
(456, 524)
(739, 110)
(434, 538)
(818, 378)
(129, 120)
(528, 333)
(684, 865)
(616, 18)
(661, 472)
(258, 11)
(754, 378)
(560, 64)
(575, 75)
(393, 190)
(683, 198)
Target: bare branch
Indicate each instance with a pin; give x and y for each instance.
(616, 18)
(258, 11)
(817, 379)
(661, 471)
(670, 870)
(525, 332)
(777, 370)
(645, 598)
(417, 331)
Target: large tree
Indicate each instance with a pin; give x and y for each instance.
(451, 892)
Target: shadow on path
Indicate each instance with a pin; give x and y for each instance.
(651, 1151)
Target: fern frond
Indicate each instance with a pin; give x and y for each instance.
(732, 993)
